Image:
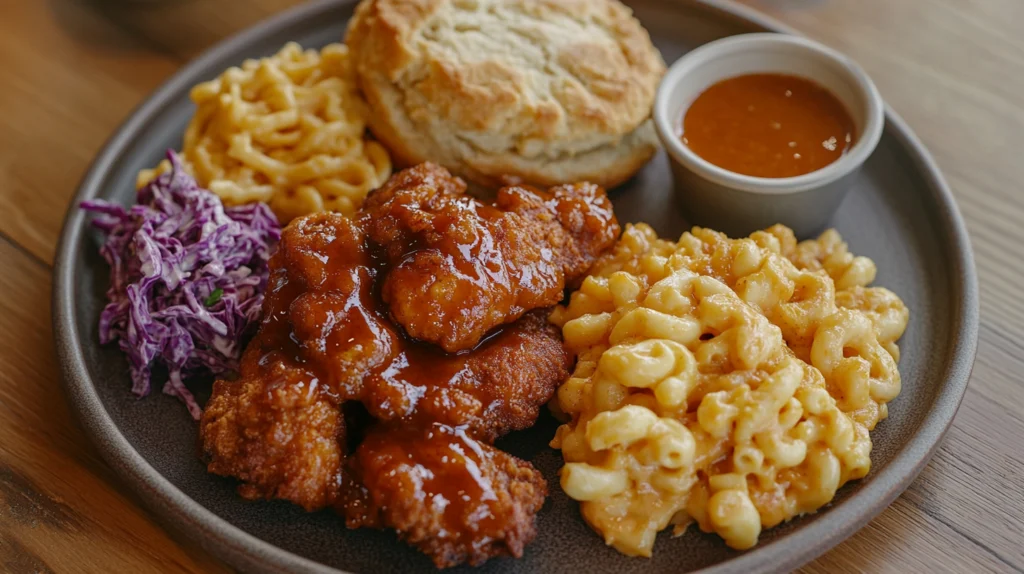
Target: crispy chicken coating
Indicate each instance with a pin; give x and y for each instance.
(453, 497)
(455, 272)
(498, 387)
(277, 428)
(460, 267)
(338, 328)
(275, 431)
(325, 340)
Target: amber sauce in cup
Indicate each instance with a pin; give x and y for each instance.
(768, 125)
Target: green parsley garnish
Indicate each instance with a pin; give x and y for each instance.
(214, 297)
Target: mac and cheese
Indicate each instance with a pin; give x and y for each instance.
(727, 383)
(288, 130)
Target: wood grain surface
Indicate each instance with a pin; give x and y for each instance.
(71, 70)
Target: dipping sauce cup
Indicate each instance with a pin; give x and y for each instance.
(739, 204)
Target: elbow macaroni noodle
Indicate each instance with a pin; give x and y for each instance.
(730, 383)
(288, 130)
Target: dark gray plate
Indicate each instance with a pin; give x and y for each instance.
(902, 216)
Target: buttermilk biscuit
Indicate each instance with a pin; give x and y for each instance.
(549, 91)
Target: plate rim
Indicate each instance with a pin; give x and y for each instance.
(181, 514)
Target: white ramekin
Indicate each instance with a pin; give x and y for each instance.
(739, 204)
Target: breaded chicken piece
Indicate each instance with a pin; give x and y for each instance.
(323, 341)
(325, 303)
(275, 431)
(338, 328)
(453, 497)
(455, 272)
(460, 267)
(498, 387)
(278, 428)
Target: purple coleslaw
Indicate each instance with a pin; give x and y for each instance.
(187, 277)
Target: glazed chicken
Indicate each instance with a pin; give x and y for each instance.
(461, 267)
(430, 482)
(497, 388)
(278, 427)
(329, 338)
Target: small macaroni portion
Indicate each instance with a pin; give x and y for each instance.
(288, 130)
(727, 383)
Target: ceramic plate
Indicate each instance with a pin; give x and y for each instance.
(902, 215)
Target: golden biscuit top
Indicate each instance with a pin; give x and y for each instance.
(510, 75)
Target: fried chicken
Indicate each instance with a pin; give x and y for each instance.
(333, 315)
(277, 428)
(274, 430)
(498, 387)
(460, 267)
(453, 497)
(339, 330)
(452, 271)
(325, 340)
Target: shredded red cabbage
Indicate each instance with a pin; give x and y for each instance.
(187, 277)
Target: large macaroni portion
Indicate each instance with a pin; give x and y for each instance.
(731, 383)
(288, 130)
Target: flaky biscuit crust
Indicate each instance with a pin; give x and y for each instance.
(549, 91)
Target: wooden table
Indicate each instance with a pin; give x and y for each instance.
(71, 70)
